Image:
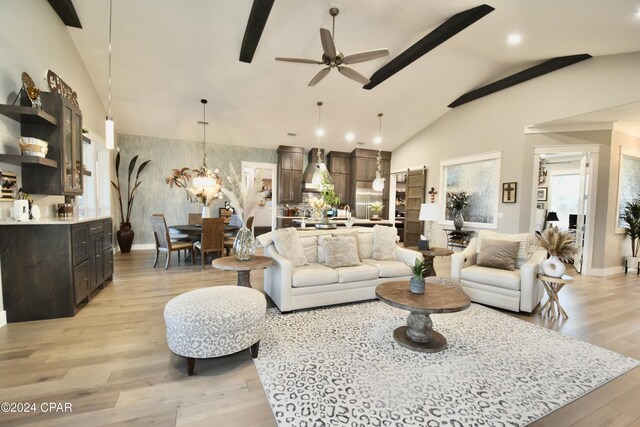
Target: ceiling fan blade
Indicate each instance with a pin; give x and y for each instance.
(327, 43)
(365, 56)
(321, 74)
(353, 75)
(304, 61)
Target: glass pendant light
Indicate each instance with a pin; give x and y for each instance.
(205, 178)
(317, 178)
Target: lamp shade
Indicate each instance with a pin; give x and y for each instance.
(429, 212)
(552, 216)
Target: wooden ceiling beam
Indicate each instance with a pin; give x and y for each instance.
(260, 11)
(520, 77)
(444, 32)
(66, 12)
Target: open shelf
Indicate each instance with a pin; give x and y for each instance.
(27, 114)
(18, 160)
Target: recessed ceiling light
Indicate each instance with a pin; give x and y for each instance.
(514, 39)
(319, 132)
(350, 136)
(377, 140)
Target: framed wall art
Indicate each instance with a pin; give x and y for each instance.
(542, 194)
(509, 192)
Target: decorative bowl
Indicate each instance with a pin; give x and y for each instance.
(33, 146)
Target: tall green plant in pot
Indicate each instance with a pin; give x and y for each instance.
(631, 218)
(125, 234)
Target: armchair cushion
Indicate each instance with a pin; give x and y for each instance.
(498, 254)
(492, 276)
(384, 242)
(288, 245)
(340, 251)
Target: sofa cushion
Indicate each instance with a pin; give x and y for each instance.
(310, 247)
(491, 276)
(288, 245)
(384, 242)
(525, 248)
(365, 245)
(498, 254)
(313, 275)
(341, 251)
(357, 273)
(389, 268)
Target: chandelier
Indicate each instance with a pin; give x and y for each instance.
(204, 179)
(378, 183)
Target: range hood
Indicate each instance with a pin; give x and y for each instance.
(315, 166)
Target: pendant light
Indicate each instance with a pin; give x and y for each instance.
(316, 180)
(204, 177)
(319, 129)
(108, 124)
(378, 183)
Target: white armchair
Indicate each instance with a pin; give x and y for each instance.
(517, 290)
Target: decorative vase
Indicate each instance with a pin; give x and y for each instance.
(206, 212)
(416, 284)
(125, 237)
(244, 246)
(553, 267)
(316, 215)
(458, 221)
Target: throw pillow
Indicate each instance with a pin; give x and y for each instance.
(500, 254)
(526, 240)
(384, 242)
(310, 247)
(353, 234)
(288, 245)
(340, 251)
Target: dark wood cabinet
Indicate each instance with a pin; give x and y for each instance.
(290, 161)
(65, 149)
(364, 165)
(49, 270)
(339, 165)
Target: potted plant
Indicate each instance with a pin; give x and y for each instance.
(561, 246)
(125, 234)
(376, 209)
(416, 283)
(329, 197)
(456, 202)
(631, 217)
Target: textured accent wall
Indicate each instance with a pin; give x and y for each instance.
(155, 196)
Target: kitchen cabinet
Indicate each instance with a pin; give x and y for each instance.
(339, 165)
(50, 268)
(290, 161)
(364, 165)
(60, 124)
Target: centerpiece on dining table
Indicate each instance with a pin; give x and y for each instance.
(244, 196)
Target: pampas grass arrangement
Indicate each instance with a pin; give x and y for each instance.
(561, 244)
(243, 197)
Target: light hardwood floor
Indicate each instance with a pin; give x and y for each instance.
(111, 361)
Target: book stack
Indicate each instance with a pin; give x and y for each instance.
(8, 180)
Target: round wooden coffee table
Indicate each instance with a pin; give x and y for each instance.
(418, 335)
(230, 263)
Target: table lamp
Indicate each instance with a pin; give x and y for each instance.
(551, 216)
(429, 212)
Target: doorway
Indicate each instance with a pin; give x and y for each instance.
(265, 215)
(564, 195)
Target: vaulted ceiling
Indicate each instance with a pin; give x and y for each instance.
(167, 55)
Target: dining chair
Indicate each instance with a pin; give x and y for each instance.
(229, 239)
(195, 219)
(164, 242)
(212, 237)
(225, 213)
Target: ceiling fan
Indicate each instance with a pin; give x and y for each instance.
(333, 58)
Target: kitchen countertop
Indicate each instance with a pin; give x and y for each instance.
(54, 221)
(355, 222)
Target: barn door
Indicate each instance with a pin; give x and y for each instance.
(416, 188)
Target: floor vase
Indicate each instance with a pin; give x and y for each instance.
(125, 237)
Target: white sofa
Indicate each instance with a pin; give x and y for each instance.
(517, 290)
(316, 285)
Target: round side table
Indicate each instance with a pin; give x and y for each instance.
(230, 263)
(429, 255)
(553, 285)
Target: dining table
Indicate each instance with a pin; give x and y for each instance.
(195, 230)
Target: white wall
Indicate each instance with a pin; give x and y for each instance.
(33, 39)
(497, 122)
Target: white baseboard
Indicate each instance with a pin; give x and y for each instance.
(3, 318)
(604, 272)
(143, 246)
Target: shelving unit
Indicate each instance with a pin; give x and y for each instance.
(18, 160)
(30, 115)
